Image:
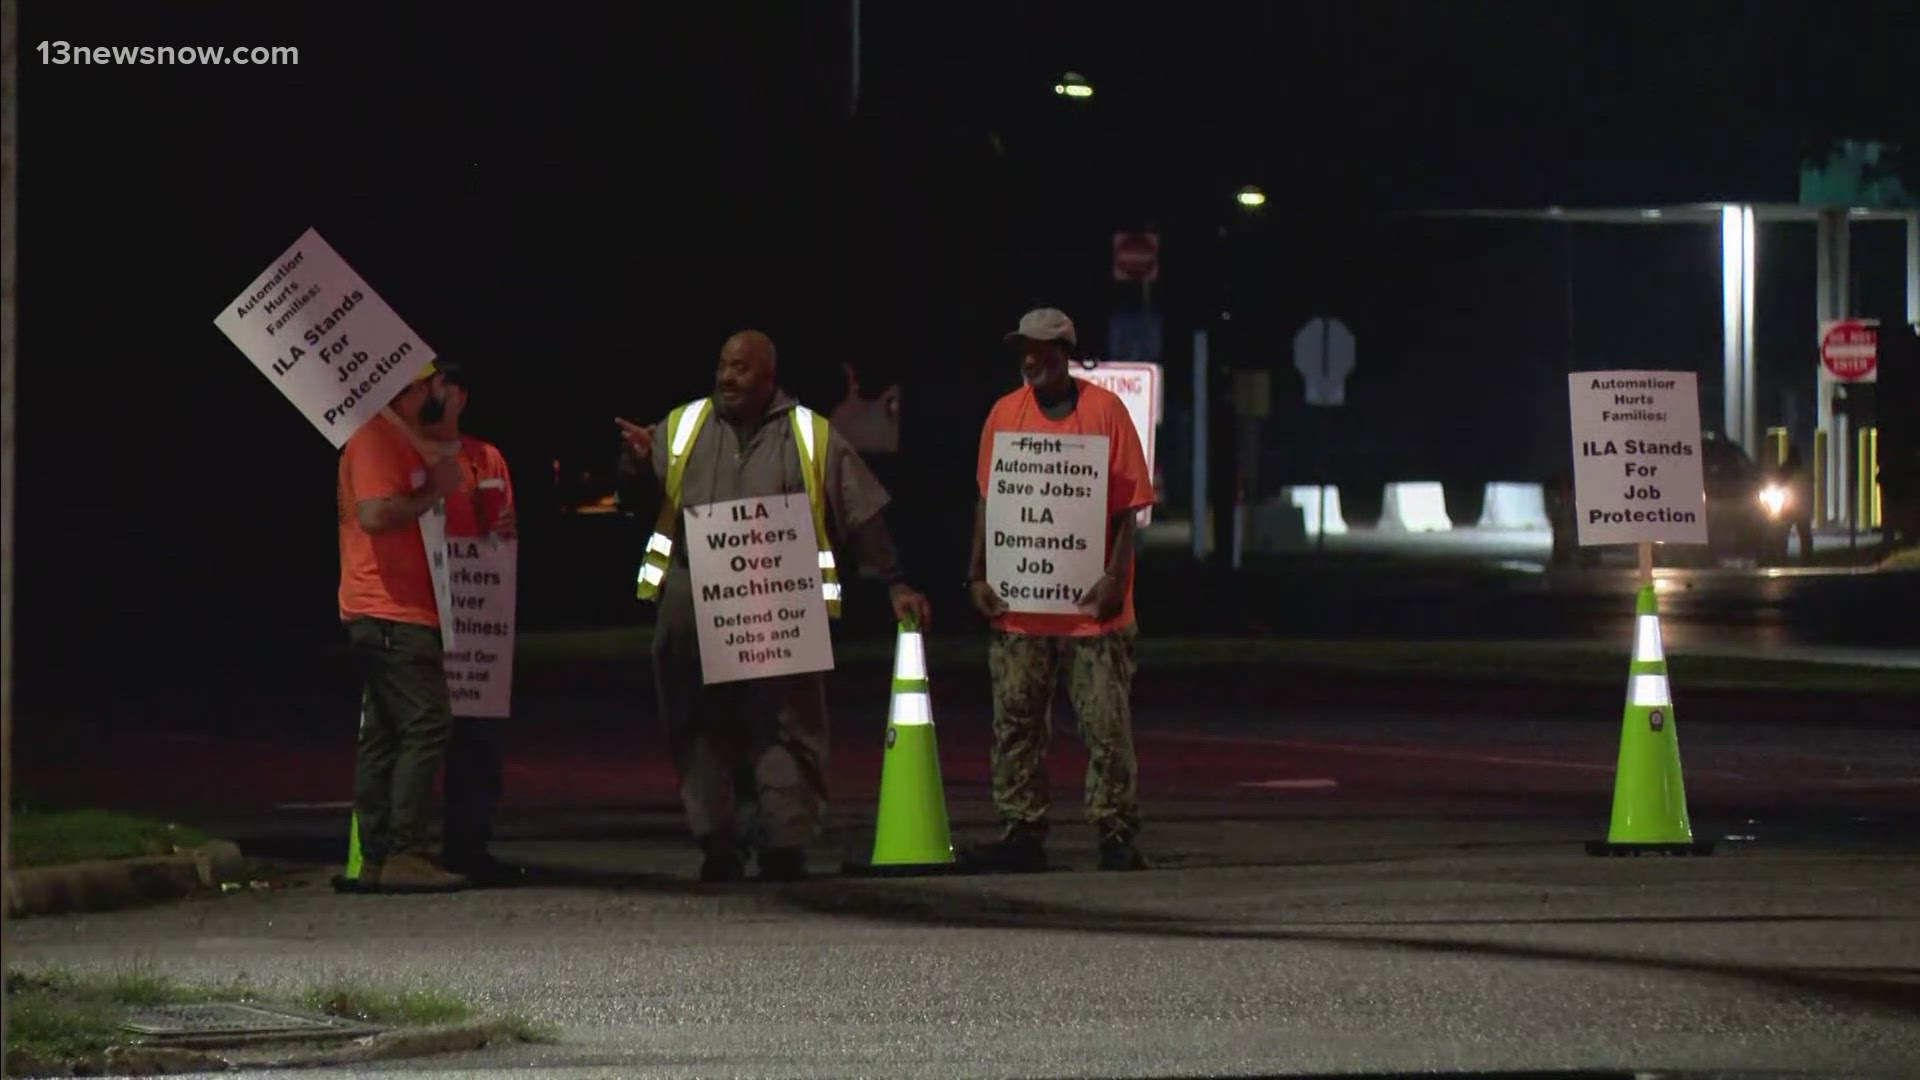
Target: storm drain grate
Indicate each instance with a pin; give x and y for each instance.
(236, 1023)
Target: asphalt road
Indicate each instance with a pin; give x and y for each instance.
(1353, 872)
(1390, 893)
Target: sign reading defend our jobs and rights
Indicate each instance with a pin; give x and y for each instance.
(1046, 520)
(757, 602)
(481, 573)
(1636, 457)
(324, 337)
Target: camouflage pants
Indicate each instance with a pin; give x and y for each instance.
(1099, 672)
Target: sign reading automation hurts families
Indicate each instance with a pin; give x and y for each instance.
(1046, 520)
(1636, 457)
(757, 603)
(324, 338)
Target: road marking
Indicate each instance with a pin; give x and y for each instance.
(1408, 752)
(1318, 784)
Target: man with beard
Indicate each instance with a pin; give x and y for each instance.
(751, 440)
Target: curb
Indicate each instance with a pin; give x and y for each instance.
(388, 1046)
(105, 884)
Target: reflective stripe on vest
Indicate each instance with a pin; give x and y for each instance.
(683, 426)
(810, 431)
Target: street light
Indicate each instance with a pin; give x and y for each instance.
(1074, 85)
(1252, 197)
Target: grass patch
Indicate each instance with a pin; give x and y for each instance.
(60, 1016)
(377, 1005)
(52, 837)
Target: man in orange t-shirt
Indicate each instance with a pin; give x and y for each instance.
(399, 466)
(1094, 648)
(476, 751)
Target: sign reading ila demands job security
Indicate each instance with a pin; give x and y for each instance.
(1636, 457)
(757, 603)
(1046, 520)
(324, 337)
(482, 573)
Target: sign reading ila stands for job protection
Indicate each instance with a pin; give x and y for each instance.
(757, 603)
(1636, 457)
(324, 337)
(480, 666)
(1046, 520)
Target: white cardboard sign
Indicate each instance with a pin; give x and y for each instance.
(1046, 520)
(483, 575)
(1139, 388)
(757, 602)
(433, 537)
(324, 338)
(1637, 471)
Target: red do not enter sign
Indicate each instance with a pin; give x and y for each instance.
(1850, 350)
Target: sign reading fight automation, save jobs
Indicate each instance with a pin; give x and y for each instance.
(324, 337)
(481, 580)
(1636, 457)
(1046, 520)
(757, 603)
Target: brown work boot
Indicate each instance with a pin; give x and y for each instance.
(410, 873)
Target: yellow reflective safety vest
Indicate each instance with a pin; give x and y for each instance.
(683, 427)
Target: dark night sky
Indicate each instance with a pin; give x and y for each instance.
(582, 200)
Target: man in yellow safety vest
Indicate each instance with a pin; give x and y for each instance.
(750, 440)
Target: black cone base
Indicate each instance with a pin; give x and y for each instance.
(855, 868)
(1604, 848)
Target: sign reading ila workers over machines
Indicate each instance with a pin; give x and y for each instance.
(1636, 457)
(481, 576)
(757, 602)
(1046, 520)
(324, 337)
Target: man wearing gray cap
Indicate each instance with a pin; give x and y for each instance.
(1092, 645)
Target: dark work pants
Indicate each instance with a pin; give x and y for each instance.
(405, 716)
(476, 767)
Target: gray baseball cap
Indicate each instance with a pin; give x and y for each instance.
(1045, 324)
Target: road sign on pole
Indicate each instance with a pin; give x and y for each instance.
(1136, 256)
(1138, 387)
(1850, 349)
(1323, 354)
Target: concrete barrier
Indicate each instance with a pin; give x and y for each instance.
(1307, 498)
(1415, 506)
(1514, 506)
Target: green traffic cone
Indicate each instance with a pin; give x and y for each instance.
(1649, 796)
(349, 879)
(911, 836)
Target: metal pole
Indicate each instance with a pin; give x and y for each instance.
(1749, 375)
(1732, 291)
(9, 394)
(1200, 445)
(853, 64)
(1913, 268)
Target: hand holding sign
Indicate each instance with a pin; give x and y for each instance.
(1106, 598)
(985, 600)
(444, 474)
